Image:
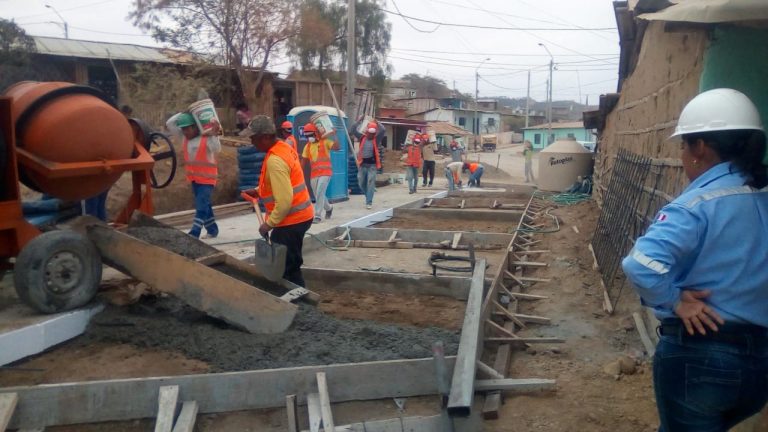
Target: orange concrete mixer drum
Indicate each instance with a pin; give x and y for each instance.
(65, 123)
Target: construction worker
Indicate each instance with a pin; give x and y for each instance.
(317, 156)
(475, 172)
(453, 174)
(456, 150)
(368, 162)
(412, 158)
(200, 165)
(701, 266)
(528, 155)
(428, 155)
(286, 133)
(284, 194)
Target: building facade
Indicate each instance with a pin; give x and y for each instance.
(540, 136)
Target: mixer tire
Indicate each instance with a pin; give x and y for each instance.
(57, 271)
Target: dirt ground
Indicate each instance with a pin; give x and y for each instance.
(410, 222)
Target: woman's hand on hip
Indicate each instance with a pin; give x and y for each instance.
(695, 313)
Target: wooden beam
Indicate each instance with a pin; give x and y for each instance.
(166, 411)
(532, 318)
(529, 264)
(456, 238)
(509, 315)
(523, 296)
(512, 384)
(462, 385)
(129, 399)
(292, 409)
(8, 403)
(489, 371)
(325, 402)
(501, 329)
(187, 417)
(314, 411)
(533, 279)
(524, 340)
(201, 287)
(543, 251)
(650, 348)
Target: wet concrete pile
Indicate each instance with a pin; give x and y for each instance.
(314, 338)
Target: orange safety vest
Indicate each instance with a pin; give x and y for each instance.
(200, 170)
(414, 155)
(473, 167)
(375, 151)
(321, 167)
(301, 205)
(291, 141)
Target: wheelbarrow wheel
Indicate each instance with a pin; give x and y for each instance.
(57, 271)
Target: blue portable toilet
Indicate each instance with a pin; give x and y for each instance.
(338, 189)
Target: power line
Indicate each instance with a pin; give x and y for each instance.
(66, 9)
(411, 25)
(496, 28)
(453, 64)
(501, 54)
(498, 13)
(111, 33)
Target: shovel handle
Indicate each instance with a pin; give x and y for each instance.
(255, 201)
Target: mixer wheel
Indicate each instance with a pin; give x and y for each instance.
(58, 271)
(161, 148)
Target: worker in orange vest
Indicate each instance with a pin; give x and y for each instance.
(200, 166)
(317, 156)
(284, 194)
(412, 157)
(475, 172)
(368, 161)
(286, 133)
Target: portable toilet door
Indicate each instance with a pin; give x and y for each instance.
(338, 189)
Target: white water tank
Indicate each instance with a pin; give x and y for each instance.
(561, 163)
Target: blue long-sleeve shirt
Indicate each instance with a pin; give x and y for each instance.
(713, 236)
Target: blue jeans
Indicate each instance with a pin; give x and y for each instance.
(474, 178)
(203, 211)
(412, 176)
(705, 384)
(449, 176)
(366, 179)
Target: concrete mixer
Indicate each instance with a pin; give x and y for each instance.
(69, 141)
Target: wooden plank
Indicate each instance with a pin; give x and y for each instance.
(489, 371)
(650, 348)
(501, 329)
(524, 340)
(166, 411)
(529, 264)
(8, 402)
(429, 203)
(135, 398)
(532, 318)
(523, 296)
(543, 251)
(533, 279)
(509, 315)
(515, 384)
(187, 417)
(325, 402)
(201, 287)
(462, 385)
(462, 204)
(456, 239)
(292, 409)
(315, 413)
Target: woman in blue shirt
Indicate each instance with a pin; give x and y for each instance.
(703, 267)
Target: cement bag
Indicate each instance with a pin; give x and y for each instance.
(323, 123)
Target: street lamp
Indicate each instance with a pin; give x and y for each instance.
(66, 26)
(477, 80)
(549, 92)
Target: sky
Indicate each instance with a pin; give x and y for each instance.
(580, 35)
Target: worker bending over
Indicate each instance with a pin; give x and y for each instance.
(284, 194)
(200, 151)
(453, 174)
(475, 172)
(286, 134)
(317, 155)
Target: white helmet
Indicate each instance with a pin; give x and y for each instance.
(718, 110)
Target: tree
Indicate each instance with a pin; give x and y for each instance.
(322, 41)
(16, 52)
(427, 86)
(243, 34)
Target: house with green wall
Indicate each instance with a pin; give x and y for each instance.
(538, 135)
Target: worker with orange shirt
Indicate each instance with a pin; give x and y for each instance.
(286, 133)
(475, 172)
(284, 194)
(317, 155)
(412, 158)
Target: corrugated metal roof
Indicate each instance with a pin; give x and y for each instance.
(100, 50)
(564, 125)
(445, 128)
(712, 11)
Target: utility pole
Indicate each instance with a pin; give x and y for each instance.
(66, 26)
(351, 61)
(549, 93)
(528, 99)
(477, 93)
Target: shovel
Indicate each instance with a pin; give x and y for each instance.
(270, 257)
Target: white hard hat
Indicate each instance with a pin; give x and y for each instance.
(718, 110)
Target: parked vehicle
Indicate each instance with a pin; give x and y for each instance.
(489, 143)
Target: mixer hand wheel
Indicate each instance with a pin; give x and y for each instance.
(160, 148)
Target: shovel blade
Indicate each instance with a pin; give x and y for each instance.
(270, 259)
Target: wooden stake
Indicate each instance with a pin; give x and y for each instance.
(325, 402)
(8, 403)
(575, 229)
(643, 331)
(167, 400)
(456, 238)
(511, 384)
(462, 204)
(532, 318)
(292, 410)
(511, 316)
(187, 417)
(392, 237)
(313, 408)
(501, 329)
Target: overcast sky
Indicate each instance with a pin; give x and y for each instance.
(586, 60)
